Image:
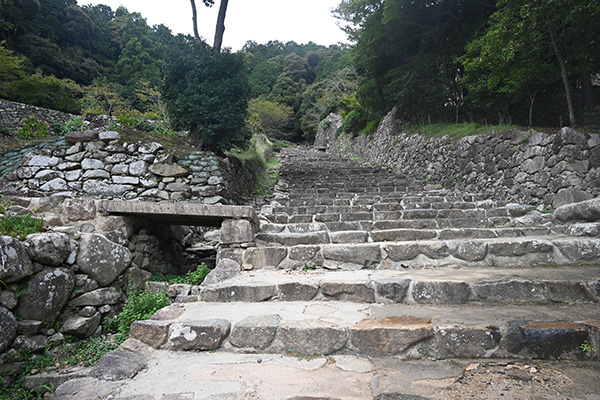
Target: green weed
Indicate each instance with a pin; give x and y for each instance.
(585, 347)
(197, 277)
(139, 306)
(32, 128)
(54, 357)
(268, 179)
(72, 125)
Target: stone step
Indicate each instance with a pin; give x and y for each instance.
(482, 253)
(347, 328)
(361, 221)
(432, 286)
(476, 217)
(296, 234)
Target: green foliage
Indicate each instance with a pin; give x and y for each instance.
(168, 278)
(163, 130)
(32, 128)
(20, 225)
(585, 347)
(372, 126)
(11, 70)
(197, 276)
(139, 306)
(47, 91)
(74, 124)
(207, 94)
(274, 117)
(405, 52)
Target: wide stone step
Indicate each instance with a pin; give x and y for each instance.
(498, 252)
(346, 328)
(314, 233)
(437, 286)
(402, 218)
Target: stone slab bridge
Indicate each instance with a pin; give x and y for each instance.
(238, 223)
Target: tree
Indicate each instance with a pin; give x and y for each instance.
(521, 35)
(10, 70)
(274, 117)
(405, 52)
(208, 94)
(499, 70)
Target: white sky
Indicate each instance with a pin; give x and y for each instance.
(259, 20)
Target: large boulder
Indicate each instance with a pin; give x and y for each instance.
(102, 259)
(8, 329)
(15, 264)
(588, 211)
(49, 248)
(47, 293)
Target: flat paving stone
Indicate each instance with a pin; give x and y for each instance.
(229, 376)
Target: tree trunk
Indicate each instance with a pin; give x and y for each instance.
(220, 26)
(565, 78)
(195, 21)
(531, 102)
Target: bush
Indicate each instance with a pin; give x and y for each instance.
(139, 306)
(274, 117)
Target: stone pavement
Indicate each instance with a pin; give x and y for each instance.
(227, 376)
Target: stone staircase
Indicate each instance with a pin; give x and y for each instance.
(353, 259)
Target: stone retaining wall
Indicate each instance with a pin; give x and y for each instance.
(12, 114)
(80, 271)
(88, 164)
(523, 166)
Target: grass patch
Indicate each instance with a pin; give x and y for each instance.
(457, 131)
(269, 178)
(18, 226)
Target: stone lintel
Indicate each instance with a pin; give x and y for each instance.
(179, 213)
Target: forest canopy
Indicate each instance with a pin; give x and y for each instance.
(521, 61)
